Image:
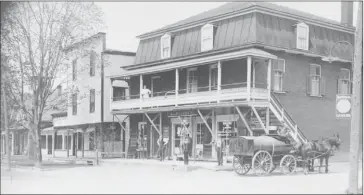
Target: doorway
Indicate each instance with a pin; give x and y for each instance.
(178, 132)
(50, 141)
(154, 136)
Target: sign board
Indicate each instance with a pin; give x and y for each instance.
(182, 113)
(165, 132)
(343, 106)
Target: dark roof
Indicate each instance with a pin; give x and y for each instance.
(236, 7)
(118, 52)
(246, 29)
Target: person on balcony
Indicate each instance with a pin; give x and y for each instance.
(145, 92)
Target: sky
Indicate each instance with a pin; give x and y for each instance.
(126, 20)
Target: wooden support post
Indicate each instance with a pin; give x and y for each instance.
(267, 118)
(177, 86)
(204, 120)
(244, 120)
(152, 122)
(269, 75)
(253, 67)
(140, 90)
(219, 79)
(259, 119)
(68, 150)
(356, 105)
(248, 78)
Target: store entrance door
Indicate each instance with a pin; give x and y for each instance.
(154, 136)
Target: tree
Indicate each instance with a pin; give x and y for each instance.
(34, 36)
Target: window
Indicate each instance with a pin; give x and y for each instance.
(92, 63)
(213, 77)
(74, 69)
(92, 100)
(119, 93)
(166, 46)
(207, 37)
(192, 80)
(302, 36)
(315, 82)
(58, 142)
(91, 138)
(279, 68)
(344, 84)
(74, 103)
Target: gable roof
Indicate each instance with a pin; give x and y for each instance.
(236, 7)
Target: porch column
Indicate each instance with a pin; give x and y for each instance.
(12, 143)
(83, 143)
(46, 144)
(63, 142)
(177, 85)
(269, 74)
(111, 92)
(140, 85)
(53, 145)
(253, 66)
(219, 78)
(248, 78)
(68, 150)
(267, 118)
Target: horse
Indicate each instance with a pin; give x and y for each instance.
(321, 149)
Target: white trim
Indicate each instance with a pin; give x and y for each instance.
(199, 61)
(298, 26)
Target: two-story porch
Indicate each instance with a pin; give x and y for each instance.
(224, 95)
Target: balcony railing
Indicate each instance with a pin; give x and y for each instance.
(194, 95)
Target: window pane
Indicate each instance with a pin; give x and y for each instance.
(345, 74)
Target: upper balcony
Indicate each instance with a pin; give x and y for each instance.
(237, 79)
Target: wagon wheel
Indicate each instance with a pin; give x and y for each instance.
(262, 163)
(240, 167)
(288, 164)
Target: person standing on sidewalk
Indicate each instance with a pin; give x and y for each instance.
(219, 148)
(185, 148)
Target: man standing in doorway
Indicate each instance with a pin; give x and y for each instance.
(219, 148)
(185, 148)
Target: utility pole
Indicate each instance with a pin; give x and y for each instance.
(7, 141)
(356, 106)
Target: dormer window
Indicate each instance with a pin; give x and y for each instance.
(302, 36)
(166, 46)
(207, 37)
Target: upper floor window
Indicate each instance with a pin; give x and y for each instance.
(92, 100)
(315, 82)
(166, 46)
(74, 69)
(344, 84)
(302, 36)
(207, 37)
(92, 63)
(74, 103)
(279, 68)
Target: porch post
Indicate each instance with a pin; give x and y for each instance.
(219, 78)
(269, 75)
(248, 78)
(177, 85)
(53, 144)
(253, 66)
(141, 85)
(46, 144)
(12, 143)
(267, 119)
(83, 143)
(63, 142)
(68, 150)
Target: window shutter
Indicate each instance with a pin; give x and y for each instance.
(308, 85)
(322, 86)
(338, 86)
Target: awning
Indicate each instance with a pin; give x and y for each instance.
(120, 83)
(203, 60)
(48, 130)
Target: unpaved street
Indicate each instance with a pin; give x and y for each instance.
(134, 178)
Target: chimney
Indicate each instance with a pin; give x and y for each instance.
(347, 11)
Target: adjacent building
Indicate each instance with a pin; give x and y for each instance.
(240, 69)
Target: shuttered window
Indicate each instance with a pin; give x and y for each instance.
(207, 42)
(279, 68)
(74, 103)
(92, 63)
(165, 46)
(344, 83)
(302, 36)
(315, 82)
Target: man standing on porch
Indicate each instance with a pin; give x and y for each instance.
(145, 92)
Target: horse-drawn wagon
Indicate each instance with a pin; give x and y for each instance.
(262, 154)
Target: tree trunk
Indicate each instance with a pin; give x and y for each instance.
(38, 147)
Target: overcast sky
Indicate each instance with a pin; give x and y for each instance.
(126, 20)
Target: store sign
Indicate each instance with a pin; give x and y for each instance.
(182, 113)
(343, 106)
(165, 132)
